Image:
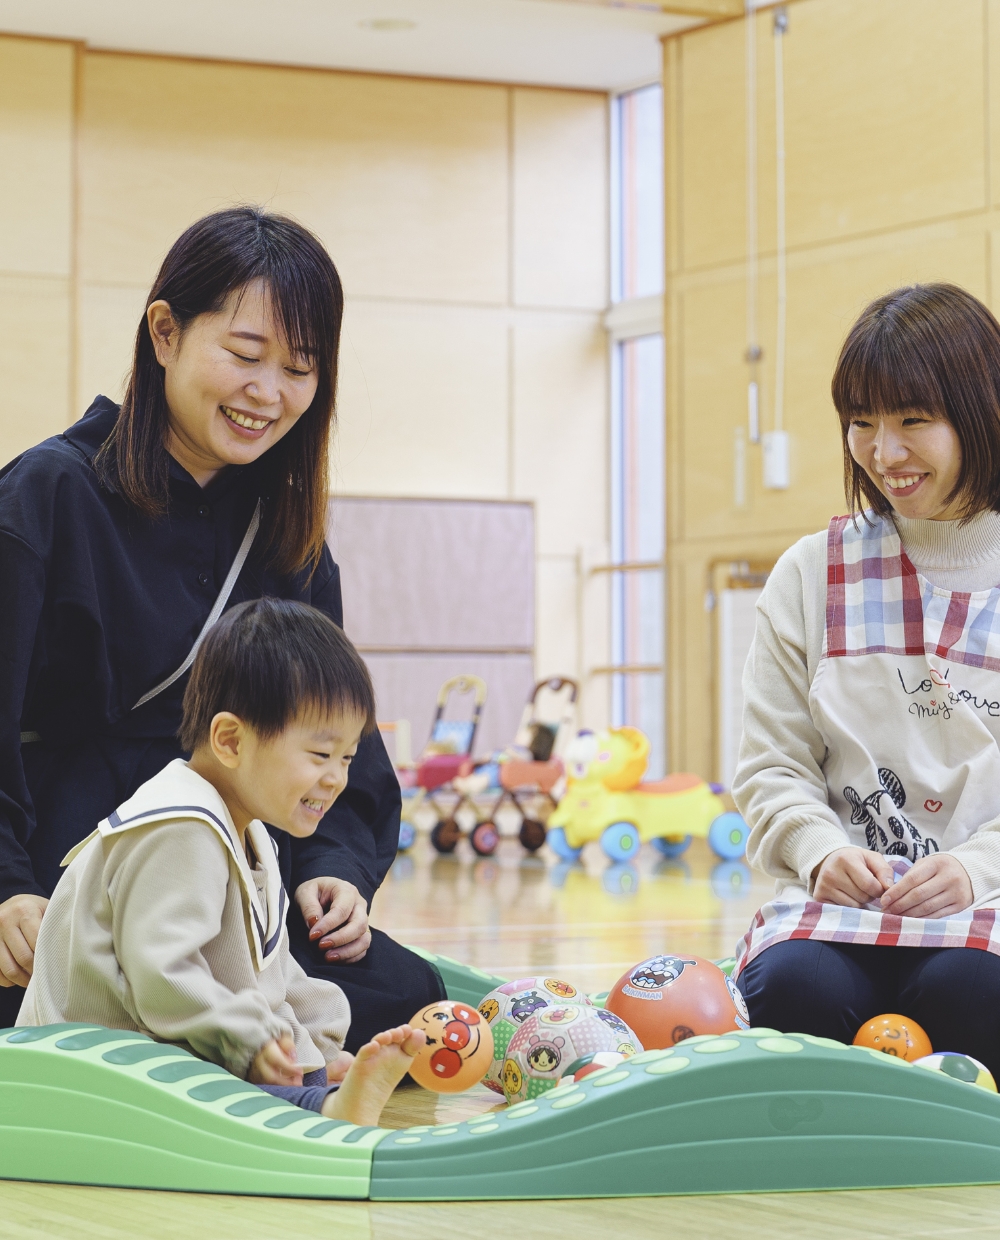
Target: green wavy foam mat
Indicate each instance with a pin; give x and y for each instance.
(83, 1105)
(754, 1112)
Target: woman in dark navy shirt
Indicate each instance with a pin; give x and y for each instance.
(116, 539)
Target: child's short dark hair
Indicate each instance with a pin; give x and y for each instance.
(266, 661)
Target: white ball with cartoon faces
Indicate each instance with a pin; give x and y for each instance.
(555, 1042)
(509, 1006)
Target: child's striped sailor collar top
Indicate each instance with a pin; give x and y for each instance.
(178, 793)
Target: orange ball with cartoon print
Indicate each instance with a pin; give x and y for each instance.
(667, 999)
(894, 1035)
(459, 1047)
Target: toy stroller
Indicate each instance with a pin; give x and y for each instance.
(529, 782)
(447, 755)
(528, 773)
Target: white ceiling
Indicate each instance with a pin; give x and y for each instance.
(546, 42)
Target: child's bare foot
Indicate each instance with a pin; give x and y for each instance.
(378, 1068)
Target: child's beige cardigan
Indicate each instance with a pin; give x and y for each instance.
(159, 924)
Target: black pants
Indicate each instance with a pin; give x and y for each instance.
(832, 989)
(386, 988)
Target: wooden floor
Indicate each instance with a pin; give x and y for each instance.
(520, 916)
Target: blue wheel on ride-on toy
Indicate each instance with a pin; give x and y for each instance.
(727, 836)
(620, 841)
(407, 834)
(557, 841)
(672, 847)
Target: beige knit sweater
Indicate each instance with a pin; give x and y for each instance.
(159, 924)
(779, 786)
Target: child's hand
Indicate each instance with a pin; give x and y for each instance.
(276, 1063)
(936, 886)
(851, 877)
(338, 1068)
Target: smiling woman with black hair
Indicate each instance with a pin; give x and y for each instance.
(870, 766)
(124, 539)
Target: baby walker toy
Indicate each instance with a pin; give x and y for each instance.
(605, 800)
(530, 770)
(447, 755)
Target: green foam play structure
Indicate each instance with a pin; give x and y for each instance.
(755, 1111)
(85, 1105)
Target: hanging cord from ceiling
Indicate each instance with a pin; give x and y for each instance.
(754, 353)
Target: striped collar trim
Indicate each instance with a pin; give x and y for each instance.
(153, 804)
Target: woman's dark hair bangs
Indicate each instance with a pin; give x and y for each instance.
(932, 347)
(885, 376)
(269, 661)
(222, 254)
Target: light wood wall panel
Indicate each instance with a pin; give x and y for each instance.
(109, 317)
(36, 155)
(423, 405)
(886, 118)
(405, 181)
(891, 133)
(560, 244)
(36, 239)
(561, 429)
(35, 332)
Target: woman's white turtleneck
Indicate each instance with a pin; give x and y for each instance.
(953, 555)
(790, 834)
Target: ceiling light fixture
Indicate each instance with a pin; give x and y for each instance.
(387, 23)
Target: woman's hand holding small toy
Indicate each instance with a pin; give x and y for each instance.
(20, 918)
(936, 886)
(852, 877)
(276, 1063)
(336, 914)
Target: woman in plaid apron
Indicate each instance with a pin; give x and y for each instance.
(870, 767)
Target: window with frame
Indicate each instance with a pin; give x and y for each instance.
(637, 449)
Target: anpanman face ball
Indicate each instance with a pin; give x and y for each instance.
(667, 999)
(895, 1035)
(459, 1047)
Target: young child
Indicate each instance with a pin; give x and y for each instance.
(170, 917)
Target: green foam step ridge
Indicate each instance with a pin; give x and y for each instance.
(84, 1105)
(753, 1112)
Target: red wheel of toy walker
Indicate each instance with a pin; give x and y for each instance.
(484, 839)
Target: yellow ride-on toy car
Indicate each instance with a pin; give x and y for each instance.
(605, 800)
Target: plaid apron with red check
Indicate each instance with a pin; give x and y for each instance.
(906, 697)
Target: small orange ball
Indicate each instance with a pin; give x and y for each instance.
(894, 1035)
(459, 1047)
